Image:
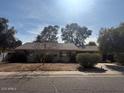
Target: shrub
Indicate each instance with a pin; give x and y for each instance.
(120, 58)
(40, 58)
(88, 60)
(17, 57)
(49, 58)
(35, 57)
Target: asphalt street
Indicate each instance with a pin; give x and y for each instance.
(47, 84)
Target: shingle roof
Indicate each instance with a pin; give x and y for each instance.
(55, 46)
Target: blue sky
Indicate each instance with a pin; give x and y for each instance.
(30, 16)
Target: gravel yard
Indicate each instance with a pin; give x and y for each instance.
(12, 67)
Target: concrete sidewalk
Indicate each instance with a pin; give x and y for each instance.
(56, 74)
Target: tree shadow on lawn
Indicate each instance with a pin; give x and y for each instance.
(92, 70)
(116, 68)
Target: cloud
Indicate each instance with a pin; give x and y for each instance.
(26, 37)
(35, 31)
(91, 38)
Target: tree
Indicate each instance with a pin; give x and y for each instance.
(91, 43)
(111, 40)
(18, 43)
(7, 38)
(73, 33)
(49, 34)
(105, 41)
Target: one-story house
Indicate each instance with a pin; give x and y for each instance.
(60, 51)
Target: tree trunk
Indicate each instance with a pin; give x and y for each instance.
(3, 56)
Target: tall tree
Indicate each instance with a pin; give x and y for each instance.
(49, 34)
(74, 33)
(104, 40)
(111, 40)
(7, 38)
(91, 43)
(18, 43)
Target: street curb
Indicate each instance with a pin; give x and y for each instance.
(57, 74)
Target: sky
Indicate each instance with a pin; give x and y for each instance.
(30, 16)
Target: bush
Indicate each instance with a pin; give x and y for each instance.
(88, 60)
(35, 57)
(120, 58)
(40, 58)
(17, 57)
(49, 58)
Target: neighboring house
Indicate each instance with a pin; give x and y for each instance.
(60, 51)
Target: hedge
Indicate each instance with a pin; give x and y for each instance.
(88, 60)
